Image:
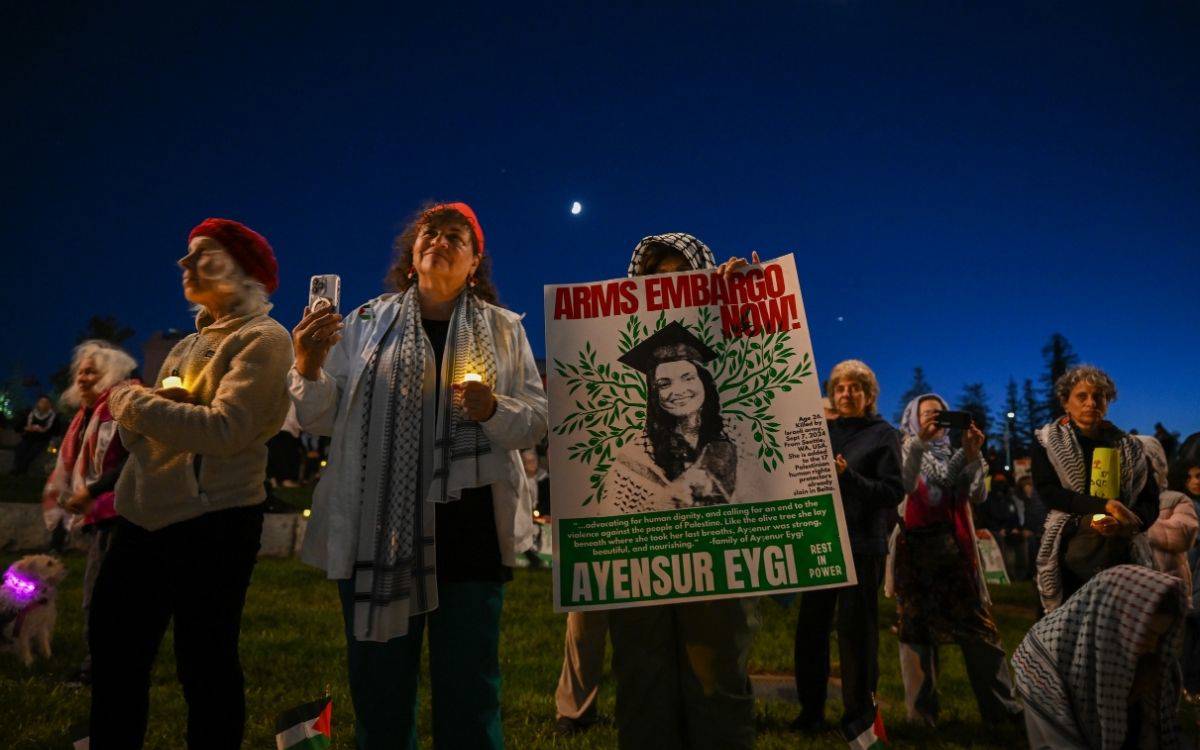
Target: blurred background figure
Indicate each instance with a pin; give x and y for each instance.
(39, 428)
(285, 453)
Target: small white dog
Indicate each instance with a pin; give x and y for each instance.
(27, 605)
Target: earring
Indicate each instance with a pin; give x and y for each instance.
(412, 272)
(471, 282)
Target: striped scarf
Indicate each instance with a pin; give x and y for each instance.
(1066, 456)
(416, 447)
(1076, 666)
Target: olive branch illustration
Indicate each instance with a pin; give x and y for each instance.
(750, 373)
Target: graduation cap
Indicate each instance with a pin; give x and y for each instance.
(673, 343)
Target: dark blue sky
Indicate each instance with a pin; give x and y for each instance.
(957, 181)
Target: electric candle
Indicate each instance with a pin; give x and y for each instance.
(172, 381)
(472, 377)
(1098, 517)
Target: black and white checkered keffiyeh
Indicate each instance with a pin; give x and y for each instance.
(1066, 456)
(696, 252)
(1076, 666)
(416, 446)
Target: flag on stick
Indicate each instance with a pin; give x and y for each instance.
(306, 727)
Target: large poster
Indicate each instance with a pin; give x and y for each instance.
(689, 456)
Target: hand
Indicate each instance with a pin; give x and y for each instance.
(840, 461)
(81, 502)
(180, 395)
(1122, 515)
(1106, 526)
(735, 263)
(972, 442)
(477, 399)
(928, 431)
(313, 337)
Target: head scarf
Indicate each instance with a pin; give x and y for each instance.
(1076, 666)
(693, 250)
(910, 422)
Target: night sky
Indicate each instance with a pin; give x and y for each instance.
(957, 182)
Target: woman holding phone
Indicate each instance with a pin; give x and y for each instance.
(940, 590)
(429, 393)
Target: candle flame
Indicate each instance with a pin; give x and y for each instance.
(472, 377)
(1099, 516)
(172, 381)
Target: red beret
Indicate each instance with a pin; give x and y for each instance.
(247, 247)
(467, 214)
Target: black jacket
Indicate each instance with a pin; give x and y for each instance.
(871, 486)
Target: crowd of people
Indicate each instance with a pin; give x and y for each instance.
(431, 486)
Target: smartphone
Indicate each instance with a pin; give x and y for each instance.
(957, 420)
(325, 291)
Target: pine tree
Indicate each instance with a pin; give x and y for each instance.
(919, 387)
(974, 400)
(1012, 405)
(1032, 413)
(1059, 357)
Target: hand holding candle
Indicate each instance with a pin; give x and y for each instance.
(478, 401)
(172, 389)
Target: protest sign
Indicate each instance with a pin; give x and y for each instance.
(689, 455)
(992, 558)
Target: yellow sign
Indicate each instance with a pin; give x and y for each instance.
(1106, 473)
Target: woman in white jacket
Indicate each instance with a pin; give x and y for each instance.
(428, 393)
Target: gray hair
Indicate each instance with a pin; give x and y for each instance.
(857, 370)
(1089, 374)
(111, 360)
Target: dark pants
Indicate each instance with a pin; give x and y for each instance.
(682, 677)
(29, 449)
(464, 667)
(1191, 653)
(857, 609)
(194, 571)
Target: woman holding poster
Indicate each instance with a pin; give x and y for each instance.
(940, 591)
(1098, 485)
(681, 669)
(428, 393)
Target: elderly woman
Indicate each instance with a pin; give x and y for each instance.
(190, 498)
(1099, 671)
(867, 453)
(429, 393)
(940, 590)
(1086, 533)
(90, 460)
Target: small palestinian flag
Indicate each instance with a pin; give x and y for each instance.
(873, 737)
(306, 727)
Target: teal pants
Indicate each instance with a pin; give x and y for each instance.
(464, 669)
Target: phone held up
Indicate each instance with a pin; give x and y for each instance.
(325, 291)
(955, 420)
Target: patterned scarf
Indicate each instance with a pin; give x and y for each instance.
(693, 250)
(82, 458)
(1066, 456)
(940, 464)
(1076, 666)
(416, 447)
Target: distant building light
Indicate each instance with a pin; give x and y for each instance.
(306, 512)
(1011, 415)
(324, 464)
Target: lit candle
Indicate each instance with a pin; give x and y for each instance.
(172, 381)
(1098, 517)
(472, 377)
(307, 512)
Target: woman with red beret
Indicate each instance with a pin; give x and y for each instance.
(190, 498)
(429, 392)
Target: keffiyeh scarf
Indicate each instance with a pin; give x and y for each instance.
(1076, 666)
(697, 254)
(416, 447)
(1066, 456)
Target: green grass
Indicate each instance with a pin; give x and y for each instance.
(292, 647)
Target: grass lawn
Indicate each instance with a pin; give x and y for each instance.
(292, 647)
